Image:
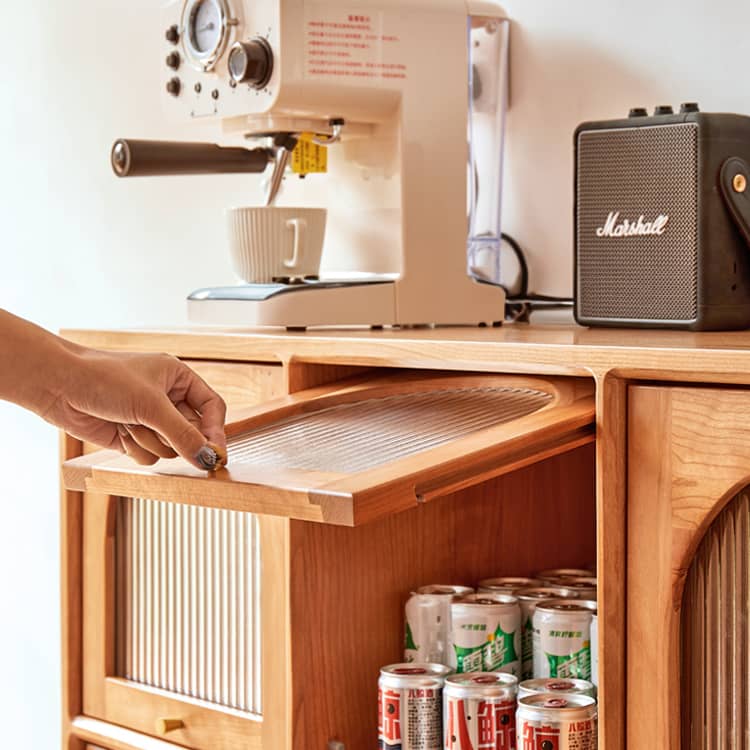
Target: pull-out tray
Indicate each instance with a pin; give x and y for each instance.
(357, 451)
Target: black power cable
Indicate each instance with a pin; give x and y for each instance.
(520, 306)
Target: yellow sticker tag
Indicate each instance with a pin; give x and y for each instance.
(309, 157)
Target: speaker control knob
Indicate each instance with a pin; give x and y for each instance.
(663, 109)
(251, 62)
(638, 112)
(689, 107)
(173, 60)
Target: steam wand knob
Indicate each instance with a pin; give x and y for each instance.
(251, 62)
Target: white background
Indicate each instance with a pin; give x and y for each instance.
(82, 249)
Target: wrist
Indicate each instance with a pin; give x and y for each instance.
(35, 365)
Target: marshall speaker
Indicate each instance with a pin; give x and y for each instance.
(662, 221)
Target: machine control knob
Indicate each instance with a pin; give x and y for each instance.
(251, 62)
(173, 60)
(174, 86)
(688, 107)
(638, 112)
(173, 34)
(664, 109)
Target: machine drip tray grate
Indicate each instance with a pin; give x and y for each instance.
(354, 437)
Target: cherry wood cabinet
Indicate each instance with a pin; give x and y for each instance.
(689, 455)
(640, 445)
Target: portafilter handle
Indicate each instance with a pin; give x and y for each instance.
(162, 158)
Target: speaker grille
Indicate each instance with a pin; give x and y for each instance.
(645, 171)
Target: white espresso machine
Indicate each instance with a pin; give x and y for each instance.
(393, 113)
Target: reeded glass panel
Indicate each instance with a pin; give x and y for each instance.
(716, 636)
(188, 601)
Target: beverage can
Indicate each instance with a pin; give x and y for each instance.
(506, 585)
(486, 634)
(480, 711)
(555, 573)
(428, 623)
(528, 598)
(562, 638)
(410, 706)
(556, 722)
(584, 586)
(556, 685)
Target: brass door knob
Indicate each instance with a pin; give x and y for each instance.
(164, 726)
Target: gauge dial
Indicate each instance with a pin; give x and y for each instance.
(206, 24)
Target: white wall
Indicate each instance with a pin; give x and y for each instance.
(81, 249)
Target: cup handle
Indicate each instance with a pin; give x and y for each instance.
(300, 229)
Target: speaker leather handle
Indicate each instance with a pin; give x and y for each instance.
(735, 174)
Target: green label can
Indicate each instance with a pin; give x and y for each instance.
(486, 634)
(506, 585)
(528, 599)
(428, 623)
(562, 638)
(555, 574)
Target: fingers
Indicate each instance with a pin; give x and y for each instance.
(211, 408)
(164, 418)
(150, 441)
(134, 450)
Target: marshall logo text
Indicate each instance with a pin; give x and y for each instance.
(613, 227)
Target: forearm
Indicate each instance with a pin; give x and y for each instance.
(34, 364)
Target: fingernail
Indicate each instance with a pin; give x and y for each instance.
(207, 458)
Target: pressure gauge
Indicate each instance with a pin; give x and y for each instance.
(206, 25)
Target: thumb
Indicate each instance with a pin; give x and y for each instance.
(187, 440)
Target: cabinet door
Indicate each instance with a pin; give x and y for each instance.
(350, 455)
(155, 581)
(689, 454)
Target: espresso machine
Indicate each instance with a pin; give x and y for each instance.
(387, 113)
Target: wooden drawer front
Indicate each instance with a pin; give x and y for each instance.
(242, 385)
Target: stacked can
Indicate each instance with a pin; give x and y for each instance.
(556, 722)
(428, 623)
(555, 575)
(528, 599)
(410, 706)
(506, 585)
(583, 586)
(480, 711)
(486, 634)
(556, 686)
(562, 638)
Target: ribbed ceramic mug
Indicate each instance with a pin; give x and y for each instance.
(268, 244)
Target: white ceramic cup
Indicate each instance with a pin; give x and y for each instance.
(271, 243)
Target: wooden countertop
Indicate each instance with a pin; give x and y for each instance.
(560, 350)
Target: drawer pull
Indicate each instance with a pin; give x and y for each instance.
(164, 726)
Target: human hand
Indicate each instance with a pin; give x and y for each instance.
(148, 406)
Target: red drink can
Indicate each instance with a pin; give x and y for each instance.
(480, 711)
(556, 722)
(410, 706)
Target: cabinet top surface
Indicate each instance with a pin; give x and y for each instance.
(563, 350)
